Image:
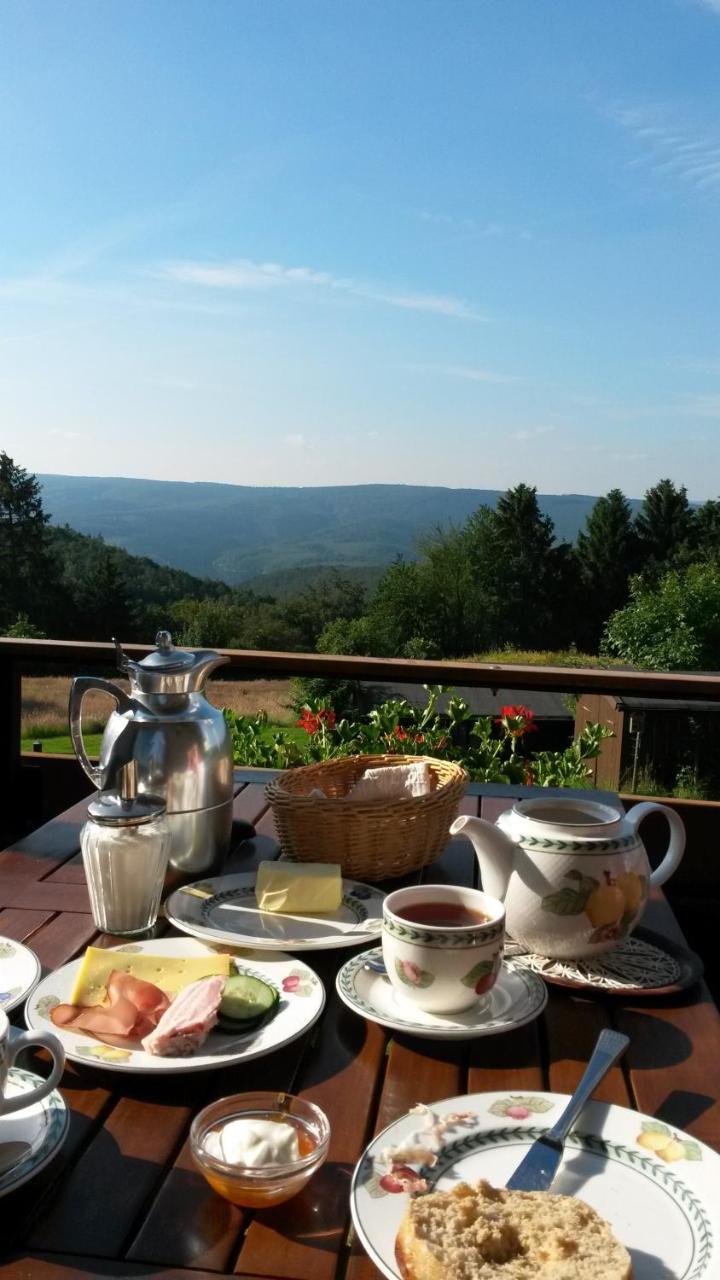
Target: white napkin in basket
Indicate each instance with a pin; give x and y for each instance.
(393, 782)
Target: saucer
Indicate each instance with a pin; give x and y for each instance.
(29, 1139)
(19, 973)
(517, 997)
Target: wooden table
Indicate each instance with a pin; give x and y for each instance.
(122, 1198)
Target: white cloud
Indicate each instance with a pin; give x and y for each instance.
(712, 5)
(246, 275)
(670, 150)
(296, 440)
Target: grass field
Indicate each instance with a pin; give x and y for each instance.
(45, 708)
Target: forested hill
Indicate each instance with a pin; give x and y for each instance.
(235, 533)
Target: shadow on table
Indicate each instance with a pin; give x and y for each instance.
(654, 1042)
(682, 1108)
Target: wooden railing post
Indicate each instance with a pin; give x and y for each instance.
(10, 709)
(602, 708)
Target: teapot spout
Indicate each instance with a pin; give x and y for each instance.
(495, 852)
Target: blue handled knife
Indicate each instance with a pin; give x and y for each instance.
(540, 1164)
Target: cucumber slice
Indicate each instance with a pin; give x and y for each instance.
(245, 1002)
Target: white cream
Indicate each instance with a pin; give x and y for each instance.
(254, 1143)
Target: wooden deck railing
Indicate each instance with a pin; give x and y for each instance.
(22, 656)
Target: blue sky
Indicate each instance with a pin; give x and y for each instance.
(460, 242)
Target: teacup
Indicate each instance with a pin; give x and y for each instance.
(9, 1049)
(442, 945)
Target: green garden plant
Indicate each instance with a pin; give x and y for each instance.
(490, 750)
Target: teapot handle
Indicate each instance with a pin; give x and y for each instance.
(676, 848)
(80, 686)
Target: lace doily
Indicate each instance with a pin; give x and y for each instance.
(632, 965)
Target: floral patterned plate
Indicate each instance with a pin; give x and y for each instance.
(302, 997)
(517, 997)
(29, 1138)
(658, 1188)
(19, 971)
(225, 910)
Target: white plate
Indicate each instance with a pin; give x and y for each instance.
(302, 997)
(29, 1138)
(225, 910)
(19, 971)
(517, 997)
(665, 1212)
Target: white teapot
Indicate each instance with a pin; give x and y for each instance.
(573, 874)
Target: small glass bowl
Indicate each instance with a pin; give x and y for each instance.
(262, 1187)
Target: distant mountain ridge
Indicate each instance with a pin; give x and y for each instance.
(235, 533)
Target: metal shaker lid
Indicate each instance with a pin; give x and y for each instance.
(125, 808)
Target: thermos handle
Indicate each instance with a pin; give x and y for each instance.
(676, 848)
(80, 686)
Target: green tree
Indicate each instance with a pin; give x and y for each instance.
(607, 552)
(673, 625)
(24, 564)
(333, 596)
(707, 528)
(664, 525)
(523, 578)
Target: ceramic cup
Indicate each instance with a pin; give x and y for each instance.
(441, 967)
(8, 1053)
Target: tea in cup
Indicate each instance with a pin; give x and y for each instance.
(442, 945)
(9, 1049)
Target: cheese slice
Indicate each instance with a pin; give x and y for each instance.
(311, 888)
(169, 973)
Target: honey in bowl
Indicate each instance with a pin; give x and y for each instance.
(259, 1155)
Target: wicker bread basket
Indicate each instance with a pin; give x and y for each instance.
(370, 839)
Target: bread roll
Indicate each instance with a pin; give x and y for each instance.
(480, 1233)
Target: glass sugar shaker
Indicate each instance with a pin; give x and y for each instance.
(125, 848)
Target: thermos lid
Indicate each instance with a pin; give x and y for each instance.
(166, 657)
(124, 807)
(168, 670)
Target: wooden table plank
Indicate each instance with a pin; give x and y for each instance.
(21, 924)
(39, 853)
(301, 1239)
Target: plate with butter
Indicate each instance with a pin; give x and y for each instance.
(284, 906)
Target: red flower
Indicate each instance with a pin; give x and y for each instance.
(311, 721)
(308, 721)
(399, 732)
(419, 738)
(517, 720)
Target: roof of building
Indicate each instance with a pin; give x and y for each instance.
(483, 702)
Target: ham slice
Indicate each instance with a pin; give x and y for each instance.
(134, 1007)
(191, 1016)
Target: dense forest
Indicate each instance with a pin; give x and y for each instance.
(642, 586)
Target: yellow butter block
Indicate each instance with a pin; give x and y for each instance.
(300, 888)
(169, 973)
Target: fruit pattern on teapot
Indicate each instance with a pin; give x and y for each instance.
(611, 904)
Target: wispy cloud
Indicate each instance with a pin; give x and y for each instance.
(244, 275)
(460, 225)
(670, 150)
(712, 5)
(296, 440)
(467, 374)
(531, 433)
